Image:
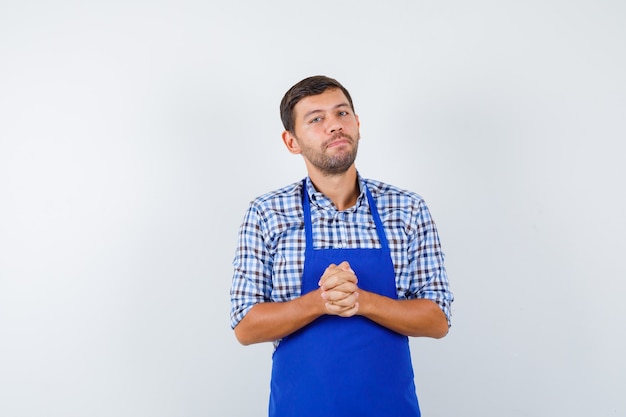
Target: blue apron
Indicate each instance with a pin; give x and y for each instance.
(344, 366)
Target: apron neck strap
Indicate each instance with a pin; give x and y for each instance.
(306, 206)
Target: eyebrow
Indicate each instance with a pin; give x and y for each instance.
(312, 112)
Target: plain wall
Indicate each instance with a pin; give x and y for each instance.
(134, 134)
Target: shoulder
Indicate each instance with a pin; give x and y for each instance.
(281, 202)
(273, 212)
(405, 208)
(390, 194)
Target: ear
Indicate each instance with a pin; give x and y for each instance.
(291, 142)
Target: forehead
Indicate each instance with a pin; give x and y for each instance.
(325, 101)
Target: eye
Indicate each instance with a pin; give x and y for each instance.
(343, 113)
(315, 119)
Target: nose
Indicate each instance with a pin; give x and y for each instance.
(334, 125)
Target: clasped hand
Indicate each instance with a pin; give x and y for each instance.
(340, 290)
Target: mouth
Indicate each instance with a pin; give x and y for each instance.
(338, 140)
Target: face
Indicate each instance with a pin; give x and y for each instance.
(326, 132)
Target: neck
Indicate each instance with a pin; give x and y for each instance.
(342, 189)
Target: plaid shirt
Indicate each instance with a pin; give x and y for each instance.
(269, 257)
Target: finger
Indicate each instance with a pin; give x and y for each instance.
(328, 272)
(336, 278)
(347, 311)
(340, 292)
(340, 298)
(345, 266)
(350, 312)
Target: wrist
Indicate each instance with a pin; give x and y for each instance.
(313, 303)
(365, 302)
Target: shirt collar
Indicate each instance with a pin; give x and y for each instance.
(323, 202)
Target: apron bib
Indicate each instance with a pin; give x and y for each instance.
(344, 366)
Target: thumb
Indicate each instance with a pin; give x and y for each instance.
(345, 266)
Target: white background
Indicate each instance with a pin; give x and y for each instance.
(134, 134)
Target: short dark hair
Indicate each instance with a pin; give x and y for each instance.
(310, 86)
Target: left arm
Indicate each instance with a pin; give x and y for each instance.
(426, 312)
(415, 317)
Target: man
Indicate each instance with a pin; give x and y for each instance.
(337, 271)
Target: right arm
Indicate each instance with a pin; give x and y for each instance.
(269, 321)
(264, 307)
(266, 322)
(255, 318)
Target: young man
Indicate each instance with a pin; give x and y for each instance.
(337, 271)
